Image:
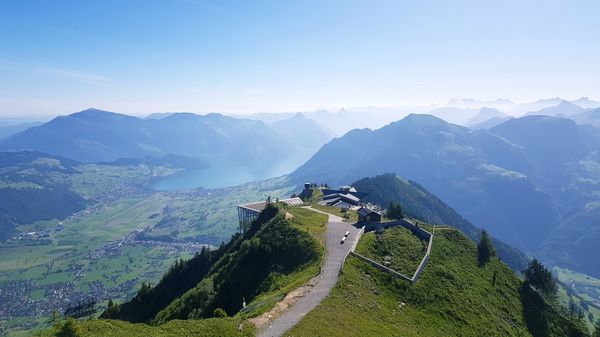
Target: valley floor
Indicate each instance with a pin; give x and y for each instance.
(108, 250)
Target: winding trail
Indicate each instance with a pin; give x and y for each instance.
(321, 284)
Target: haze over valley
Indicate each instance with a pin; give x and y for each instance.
(284, 169)
(171, 172)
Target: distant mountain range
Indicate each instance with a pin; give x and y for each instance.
(551, 163)
(99, 136)
(9, 130)
(563, 109)
(591, 117)
(94, 135)
(487, 118)
(477, 114)
(306, 134)
(586, 103)
(471, 103)
(473, 113)
(532, 181)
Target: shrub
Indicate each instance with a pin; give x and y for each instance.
(219, 313)
(70, 328)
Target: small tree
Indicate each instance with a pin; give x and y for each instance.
(539, 277)
(220, 313)
(70, 328)
(394, 211)
(55, 319)
(112, 311)
(485, 249)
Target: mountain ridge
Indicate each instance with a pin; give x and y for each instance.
(107, 136)
(478, 172)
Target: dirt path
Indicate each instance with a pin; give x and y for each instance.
(299, 302)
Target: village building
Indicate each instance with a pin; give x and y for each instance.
(341, 200)
(344, 190)
(344, 197)
(368, 215)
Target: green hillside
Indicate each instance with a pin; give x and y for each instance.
(260, 263)
(419, 203)
(35, 186)
(453, 297)
(398, 247)
(530, 181)
(280, 252)
(221, 327)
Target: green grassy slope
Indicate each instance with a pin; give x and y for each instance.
(454, 297)
(214, 327)
(276, 250)
(419, 203)
(547, 318)
(397, 246)
(279, 253)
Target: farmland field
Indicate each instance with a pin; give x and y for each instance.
(108, 249)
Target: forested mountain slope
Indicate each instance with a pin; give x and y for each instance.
(550, 163)
(248, 266)
(417, 202)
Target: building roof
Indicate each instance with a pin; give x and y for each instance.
(342, 204)
(255, 206)
(346, 196)
(258, 206)
(292, 201)
(347, 190)
(328, 191)
(363, 211)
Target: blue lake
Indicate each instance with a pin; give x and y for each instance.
(224, 175)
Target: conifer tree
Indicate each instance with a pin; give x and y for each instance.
(485, 249)
(539, 277)
(394, 211)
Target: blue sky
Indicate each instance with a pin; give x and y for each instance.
(58, 57)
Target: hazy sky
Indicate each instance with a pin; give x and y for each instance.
(58, 57)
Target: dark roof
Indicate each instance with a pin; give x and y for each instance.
(346, 196)
(328, 191)
(366, 211)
